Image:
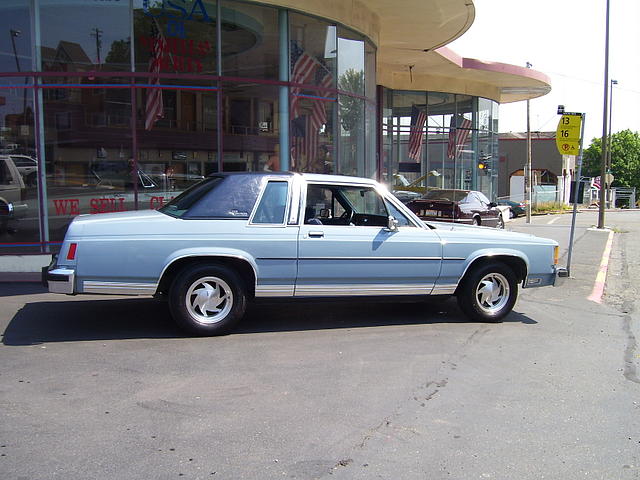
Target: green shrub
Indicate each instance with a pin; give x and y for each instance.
(550, 207)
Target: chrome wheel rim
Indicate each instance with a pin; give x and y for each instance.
(209, 300)
(500, 222)
(492, 293)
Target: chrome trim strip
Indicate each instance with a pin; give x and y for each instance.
(444, 290)
(370, 258)
(348, 290)
(274, 291)
(119, 288)
(454, 258)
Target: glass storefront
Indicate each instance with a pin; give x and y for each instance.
(439, 140)
(122, 104)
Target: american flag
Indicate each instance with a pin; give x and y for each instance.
(324, 79)
(418, 119)
(303, 67)
(304, 143)
(458, 134)
(154, 109)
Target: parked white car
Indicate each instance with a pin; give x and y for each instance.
(12, 206)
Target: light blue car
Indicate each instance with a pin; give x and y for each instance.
(234, 238)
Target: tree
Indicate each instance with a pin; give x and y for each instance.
(351, 108)
(625, 159)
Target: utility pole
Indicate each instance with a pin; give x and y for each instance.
(603, 166)
(96, 32)
(528, 186)
(612, 83)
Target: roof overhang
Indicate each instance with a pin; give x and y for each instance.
(410, 36)
(405, 26)
(443, 70)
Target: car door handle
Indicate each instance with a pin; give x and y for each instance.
(316, 234)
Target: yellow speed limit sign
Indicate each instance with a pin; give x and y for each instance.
(568, 134)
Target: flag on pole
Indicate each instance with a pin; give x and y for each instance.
(154, 108)
(416, 132)
(303, 66)
(458, 134)
(324, 79)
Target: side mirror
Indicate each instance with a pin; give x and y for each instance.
(392, 223)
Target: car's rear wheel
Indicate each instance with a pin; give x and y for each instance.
(475, 221)
(512, 213)
(500, 223)
(488, 292)
(207, 299)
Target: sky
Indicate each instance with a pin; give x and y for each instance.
(565, 40)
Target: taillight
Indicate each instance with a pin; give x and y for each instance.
(556, 255)
(71, 254)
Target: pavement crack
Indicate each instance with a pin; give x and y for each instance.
(630, 370)
(625, 303)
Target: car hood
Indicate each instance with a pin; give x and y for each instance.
(457, 231)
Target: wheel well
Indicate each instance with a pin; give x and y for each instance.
(516, 264)
(242, 267)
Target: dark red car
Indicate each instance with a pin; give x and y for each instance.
(463, 206)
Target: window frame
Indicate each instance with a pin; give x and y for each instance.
(287, 207)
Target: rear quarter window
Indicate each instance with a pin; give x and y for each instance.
(224, 197)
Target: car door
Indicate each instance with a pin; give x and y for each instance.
(345, 247)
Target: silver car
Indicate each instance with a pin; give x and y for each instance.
(235, 238)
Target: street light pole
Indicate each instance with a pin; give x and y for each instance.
(528, 174)
(603, 166)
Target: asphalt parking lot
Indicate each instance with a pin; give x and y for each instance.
(105, 387)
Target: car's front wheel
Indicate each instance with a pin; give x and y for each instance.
(500, 223)
(488, 292)
(207, 299)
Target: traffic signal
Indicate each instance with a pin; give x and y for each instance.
(482, 165)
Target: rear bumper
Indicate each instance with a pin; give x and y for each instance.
(58, 279)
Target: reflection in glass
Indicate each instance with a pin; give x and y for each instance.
(18, 170)
(312, 110)
(352, 136)
(351, 62)
(15, 46)
(250, 40)
(168, 40)
(99, 39)
(251, 132)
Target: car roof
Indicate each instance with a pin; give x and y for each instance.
(310, 177)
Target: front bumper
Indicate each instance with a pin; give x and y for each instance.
(58, 279)
(555, 279)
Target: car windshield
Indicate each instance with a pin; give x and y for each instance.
(448, 195)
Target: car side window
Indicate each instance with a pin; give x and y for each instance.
(273, 204)
(403, 221)
(344, 205)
